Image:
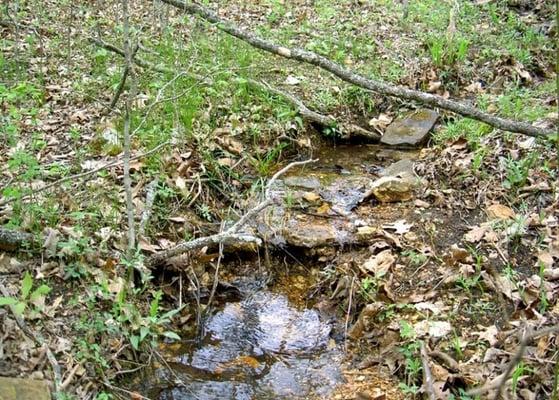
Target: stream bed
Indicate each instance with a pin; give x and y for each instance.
(261, 347)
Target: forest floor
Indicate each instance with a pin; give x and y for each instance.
(467, 267)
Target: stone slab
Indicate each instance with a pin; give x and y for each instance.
(412, 130)
(23, 389)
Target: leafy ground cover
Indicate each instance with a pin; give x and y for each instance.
(489, 233)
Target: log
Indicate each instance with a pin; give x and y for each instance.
(11, 240)
(349, 76)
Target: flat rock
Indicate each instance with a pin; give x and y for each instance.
(389, 189)
(411, 130)
(23, 389)
(401, 169)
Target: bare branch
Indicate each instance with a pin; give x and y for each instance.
(359, 80)
(230, 236)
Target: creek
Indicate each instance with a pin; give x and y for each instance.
(261, 344)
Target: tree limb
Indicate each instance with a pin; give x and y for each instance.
(359, 80)
(347, 130)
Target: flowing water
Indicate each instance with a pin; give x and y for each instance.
(263, 346)
(257, 348)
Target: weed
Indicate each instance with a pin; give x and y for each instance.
(27, 297)
(517, 171)
(416, 259)
(368, 288)
(447, 52)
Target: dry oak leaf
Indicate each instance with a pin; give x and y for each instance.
(499, 211)
(379, 264)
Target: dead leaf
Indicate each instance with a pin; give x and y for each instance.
(476, 233)
(499, 211)
(400, 227)
(311, 197)
(379, 264)
(489, 335)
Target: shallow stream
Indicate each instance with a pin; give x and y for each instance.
(261, 345)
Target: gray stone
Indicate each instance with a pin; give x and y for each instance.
(401, 169)
(411, 130)
(389, 189)
(23, 389)
(309, 183)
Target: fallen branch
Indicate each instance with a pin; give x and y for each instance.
(427, 375)
(39, 341)
(82, 174)
(231, 236)
(499, 382)
(359, 80)
(346, 130)
(11, 240)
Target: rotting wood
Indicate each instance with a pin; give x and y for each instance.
(349, 76)
(347, 130)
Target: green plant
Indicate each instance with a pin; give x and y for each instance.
(517, 171)
(369, 288)
(139, 328)
(416, 259)
(27, 297)
(412, 361)
(519, 371)
(457, 346)
(446, 51)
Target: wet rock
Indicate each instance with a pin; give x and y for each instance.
(310, 233)
(23, 389)
(411, 130)
(389, 189)
(401, 169)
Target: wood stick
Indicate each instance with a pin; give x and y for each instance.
(230, 236)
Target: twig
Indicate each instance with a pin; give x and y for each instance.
(500, 382)
(341, 72)
(38, 339)
(348, 313)
(129, 55)
(70, 376)
(120, 87)
(447, 360)
(133, 395)
(83, 174)
(231, 235)
(427, 375)
(349, 130)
